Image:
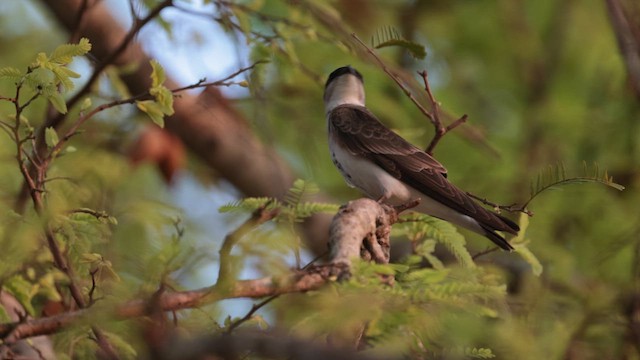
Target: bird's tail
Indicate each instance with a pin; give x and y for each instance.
(490, 233)
(496, 238)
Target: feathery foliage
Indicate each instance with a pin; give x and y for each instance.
(554, 177)
(420, 227)
(388, 36)
(292, 209)
(162, 104)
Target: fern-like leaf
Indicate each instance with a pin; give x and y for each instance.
(306, 209)
(249, 204)
(520, 245)
(388, 36)
(10, 73)
(555, 176)
(446, 234)
(64, 54)
(455, 289)
(298, 191)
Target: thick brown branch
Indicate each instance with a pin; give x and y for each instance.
(361, 229)
(170, 301)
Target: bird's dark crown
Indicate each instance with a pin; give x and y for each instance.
(342, 71)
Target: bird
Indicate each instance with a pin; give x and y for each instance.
(389, 169)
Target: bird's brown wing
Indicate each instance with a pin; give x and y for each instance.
(362, 134)
(360, 131)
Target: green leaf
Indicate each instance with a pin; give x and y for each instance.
(249, 204)
(10, 73)
(153, 110)
(41, 60)
(23, 291)
(123, 348)
(157, 74)
(444, 233)
(51, 137)
(4, 316)
(58, 102)
(416, 50)
(86, 104)
(427, 276)
(164, 98)
(530, 258)
(388, 37)
(553, 177)
(64, 54)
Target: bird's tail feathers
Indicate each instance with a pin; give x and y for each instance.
(513, 227)
(497, 239)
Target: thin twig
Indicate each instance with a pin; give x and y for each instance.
(497, 207)
(135, 29)
(93, 285)
(440, 129)
(433, 115)
(222, 82)
(485, 252)
(261, 304)
(260, 216)
(395, 78)
(249, 314)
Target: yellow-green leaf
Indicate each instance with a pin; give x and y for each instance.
(152, 110)
(86, 103)
(58, 102)
(164, 98)
(51, 137)
(64, 54)
(530, 258)
(157, 75)
(10, 73)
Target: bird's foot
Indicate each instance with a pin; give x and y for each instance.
(408, 205)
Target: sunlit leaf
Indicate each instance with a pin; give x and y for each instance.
(51, 137)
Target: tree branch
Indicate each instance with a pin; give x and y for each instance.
(171, 301)
(358, 221)
(226, 144)
(433, 115)
(628, 43)
(260, 216)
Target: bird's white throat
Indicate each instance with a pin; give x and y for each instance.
(346, 89)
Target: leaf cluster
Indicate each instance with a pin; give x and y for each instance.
(49, 75)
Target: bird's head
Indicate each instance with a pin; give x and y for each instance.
(344, 86)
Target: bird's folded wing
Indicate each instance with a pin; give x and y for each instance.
(358, 130)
